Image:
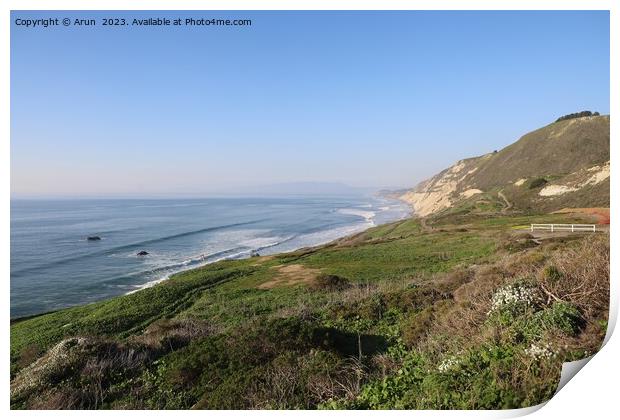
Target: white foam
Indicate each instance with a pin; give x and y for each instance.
(167, 276)
(146, 285)
(325, 236)
(264, 242)
(278, 244)
(366, 214)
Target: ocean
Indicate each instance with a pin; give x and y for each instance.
(54, 265)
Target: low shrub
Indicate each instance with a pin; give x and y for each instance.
(416, 326)
(170, 334)
(416, 298)
(581, 276)
(85, 368)
(519, 243)
(451, 281)
(29, 354)
(551, 274)
(537, 183)
(562, 316)
(330, 282)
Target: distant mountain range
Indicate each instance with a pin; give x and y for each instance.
(301, 189)
(564, 164)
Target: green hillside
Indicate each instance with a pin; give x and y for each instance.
(555, 150)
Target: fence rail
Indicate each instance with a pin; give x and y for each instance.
(557, 227)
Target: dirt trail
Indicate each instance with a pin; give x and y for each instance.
(424, 226)
(508, 203)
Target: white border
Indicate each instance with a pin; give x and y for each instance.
(591, 395)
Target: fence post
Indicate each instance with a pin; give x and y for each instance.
(593, 228)
(572, 228)
(551, 227)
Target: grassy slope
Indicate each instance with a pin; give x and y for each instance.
(417, 295)
(556, 149)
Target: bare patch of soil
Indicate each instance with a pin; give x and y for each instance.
(291, 274)
(600, 213)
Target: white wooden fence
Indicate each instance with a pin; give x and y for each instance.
(562, 227)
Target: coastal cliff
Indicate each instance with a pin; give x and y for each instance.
(564, 164)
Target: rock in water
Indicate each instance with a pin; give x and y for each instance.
(142, 253)
(94, 238)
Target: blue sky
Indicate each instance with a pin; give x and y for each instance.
(364, 98)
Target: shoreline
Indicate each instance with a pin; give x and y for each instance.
(155, 282)
(317, 245)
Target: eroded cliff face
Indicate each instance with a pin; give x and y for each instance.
(445, 188)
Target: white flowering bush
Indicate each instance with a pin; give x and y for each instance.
(514, 297)
(448, 364)
(540, 351)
